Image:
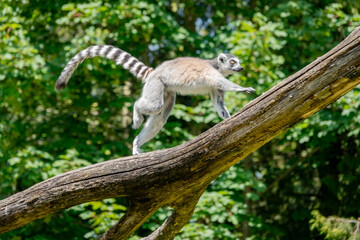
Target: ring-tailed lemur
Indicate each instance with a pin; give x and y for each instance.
(184, 75)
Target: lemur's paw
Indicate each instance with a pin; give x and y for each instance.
(136, 151)
(249, 90)
(136, 148)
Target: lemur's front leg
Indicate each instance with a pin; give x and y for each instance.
(226, 85)
(217, 97)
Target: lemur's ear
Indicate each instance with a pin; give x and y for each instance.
(222, 58)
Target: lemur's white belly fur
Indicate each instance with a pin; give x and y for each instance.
(198, 89)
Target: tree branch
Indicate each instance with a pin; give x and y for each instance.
(138, 213)
(183, 210)
(164, 177)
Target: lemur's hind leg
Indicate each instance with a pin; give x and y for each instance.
(217, 97)
(150, 102)
(154, 123)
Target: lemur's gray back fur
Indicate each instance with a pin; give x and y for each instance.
(120, 57)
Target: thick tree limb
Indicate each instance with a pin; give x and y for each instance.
(172, 176)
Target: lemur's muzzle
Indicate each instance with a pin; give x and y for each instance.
(239, 69)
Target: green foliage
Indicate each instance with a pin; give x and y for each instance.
(335, 228)
(30, 166)
(270, 195)
(100, 215)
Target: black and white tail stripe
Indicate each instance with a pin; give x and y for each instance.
(137, 68)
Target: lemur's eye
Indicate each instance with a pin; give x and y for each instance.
(232, 61)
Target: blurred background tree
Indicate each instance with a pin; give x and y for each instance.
(305, 184)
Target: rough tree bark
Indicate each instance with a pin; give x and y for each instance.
(177, 177)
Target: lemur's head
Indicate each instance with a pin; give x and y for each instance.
(228, 64)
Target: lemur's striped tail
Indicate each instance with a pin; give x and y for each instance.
(137, 68)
